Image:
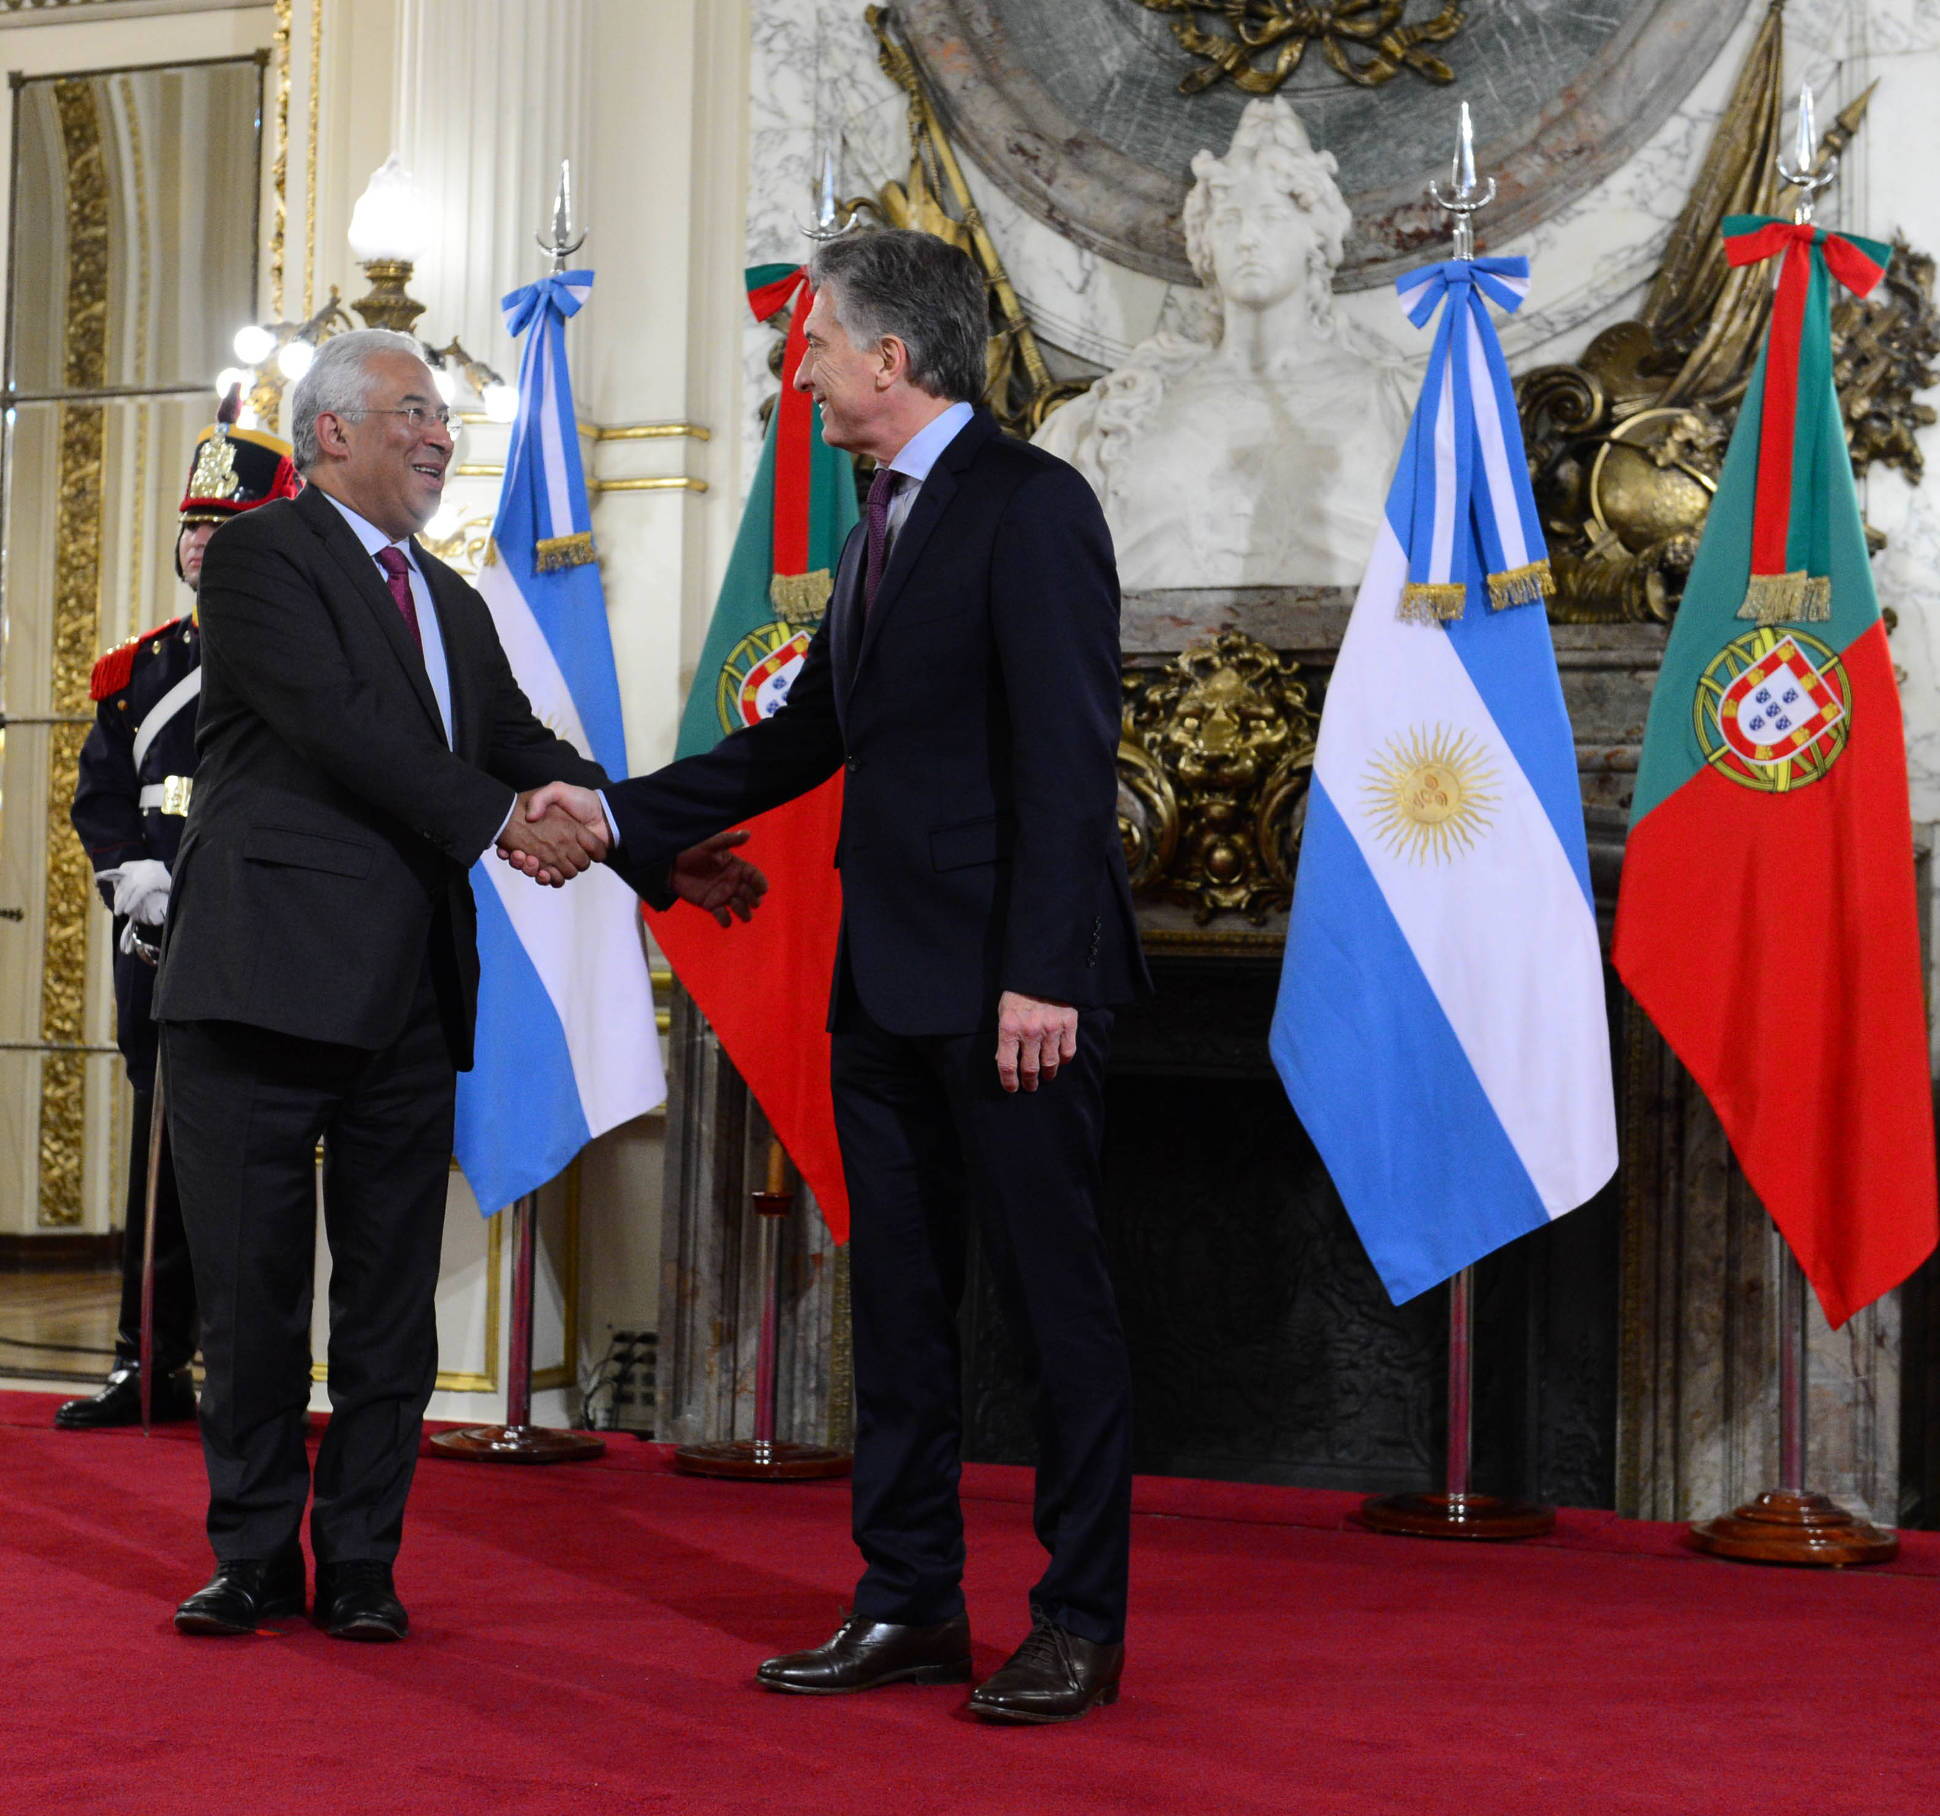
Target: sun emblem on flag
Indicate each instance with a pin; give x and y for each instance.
(1773, 710)
(1430, 795)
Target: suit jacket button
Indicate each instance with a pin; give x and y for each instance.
(852, 764)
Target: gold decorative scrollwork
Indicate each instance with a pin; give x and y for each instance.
(1217, 751)
(468, 547)
(1626, 445)
(1264, 41)
(75, 640)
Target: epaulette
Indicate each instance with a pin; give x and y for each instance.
(117, 668)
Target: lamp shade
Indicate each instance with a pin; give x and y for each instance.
(390, 221)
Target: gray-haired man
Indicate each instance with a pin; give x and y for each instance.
(362, 741)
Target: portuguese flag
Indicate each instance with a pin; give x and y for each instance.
(1767, 920)
(764, 986)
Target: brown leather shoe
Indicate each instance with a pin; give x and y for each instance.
(865, 1654)
(1052, 1676)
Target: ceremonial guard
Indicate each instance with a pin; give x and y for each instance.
(136, 776)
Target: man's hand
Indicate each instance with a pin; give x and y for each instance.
(1034, 1038)
(711, 877)
(554, 833)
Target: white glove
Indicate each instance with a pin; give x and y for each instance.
(141, 891)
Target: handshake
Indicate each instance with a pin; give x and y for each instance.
(557, 831)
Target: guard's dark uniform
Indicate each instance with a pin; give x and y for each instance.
(132, 796)
(135, 780)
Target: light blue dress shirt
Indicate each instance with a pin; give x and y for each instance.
(918, 455)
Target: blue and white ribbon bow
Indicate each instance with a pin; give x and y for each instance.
(1469, 499)
(544, 459)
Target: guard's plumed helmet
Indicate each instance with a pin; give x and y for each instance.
(235, 469)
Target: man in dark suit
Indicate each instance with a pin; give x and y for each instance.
(136, 773)
(362, 742)
(967, 679)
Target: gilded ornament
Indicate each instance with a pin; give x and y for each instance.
(215, 470)
(1217, 750)
(69, 882)
(1258, 44)
(1626, 445)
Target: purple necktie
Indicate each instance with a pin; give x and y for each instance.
(881, 490)
(397, 575)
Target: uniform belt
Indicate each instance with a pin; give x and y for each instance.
(169, 796)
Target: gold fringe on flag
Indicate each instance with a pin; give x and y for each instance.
(551, 553)
(1432, 601)
(1528, 585)
(1799, 598)
(801, 598)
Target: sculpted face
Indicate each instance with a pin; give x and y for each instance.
(387, 461)
(1261, 241)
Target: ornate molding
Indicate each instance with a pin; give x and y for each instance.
(1626, 444)
(1217, 750)
(1265, 41)
(74, 636)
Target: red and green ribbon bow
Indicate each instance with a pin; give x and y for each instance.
(1798, 404)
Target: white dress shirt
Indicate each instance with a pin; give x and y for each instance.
(435, 665)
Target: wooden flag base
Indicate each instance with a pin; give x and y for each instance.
(517, 1444)
(759, 1460)
(1785, 1526)
(1456, 1516)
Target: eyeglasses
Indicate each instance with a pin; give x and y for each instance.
(416, 415)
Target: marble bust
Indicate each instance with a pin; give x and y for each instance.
(1259, 456)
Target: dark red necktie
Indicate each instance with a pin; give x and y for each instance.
(881, 490)
(397, 575)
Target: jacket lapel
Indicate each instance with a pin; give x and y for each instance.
(931, 502)
(368, 584)
(444, 584)
(845, 616)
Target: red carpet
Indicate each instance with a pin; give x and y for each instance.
(583, 1636)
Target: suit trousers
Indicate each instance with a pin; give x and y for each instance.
(174, 1281)
(246, 1110)
(931, 1143)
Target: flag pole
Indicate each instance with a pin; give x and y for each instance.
(1789, 1524)
(1459, 1513)
(518, 1440)
(764, 1457)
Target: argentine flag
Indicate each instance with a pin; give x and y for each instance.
(1441, 1027)
(566, 1042)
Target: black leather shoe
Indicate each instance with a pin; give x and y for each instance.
(865, 1653)
(355, 1600)
(1052, 1676)
(119, 1402)
(243, 1593)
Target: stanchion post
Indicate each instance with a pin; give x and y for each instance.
(518, 1440)
(1789, 1524)
(764, 1458)
(1458, 1513)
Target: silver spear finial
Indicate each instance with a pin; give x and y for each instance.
(1465, 196)
(1801, 172)
(563, 243)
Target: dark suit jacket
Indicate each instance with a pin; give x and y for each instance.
(332, 827)
(977, 715)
